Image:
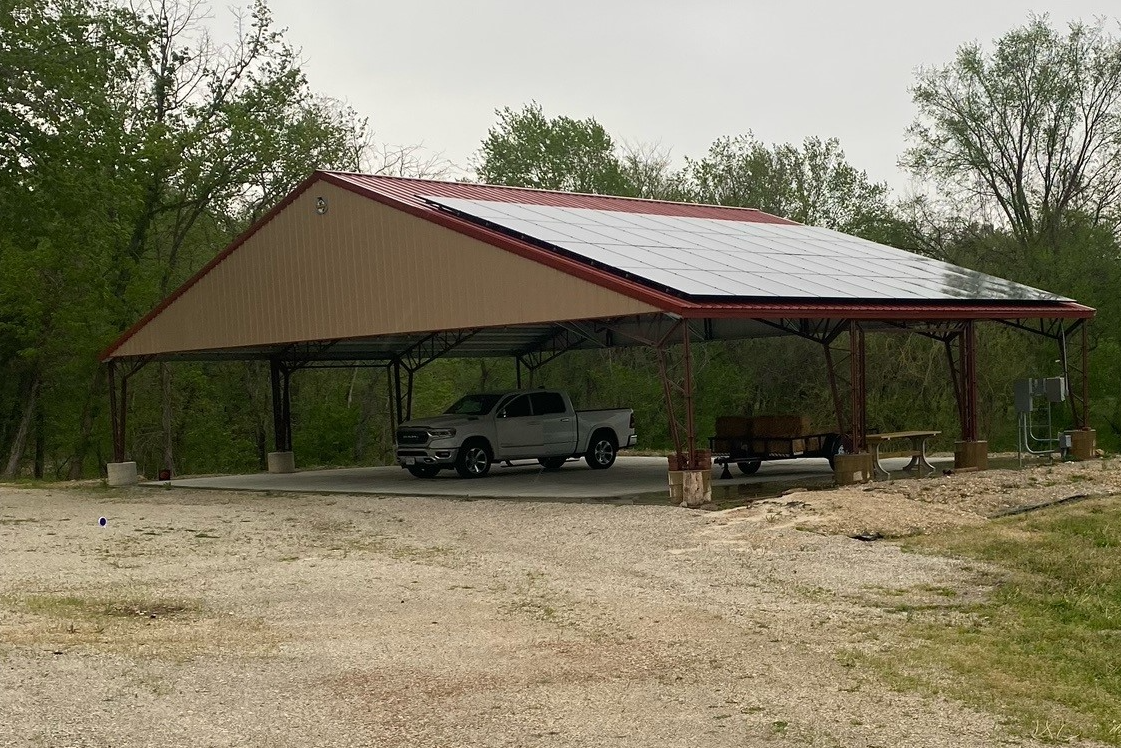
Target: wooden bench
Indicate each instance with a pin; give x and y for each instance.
(917, 452)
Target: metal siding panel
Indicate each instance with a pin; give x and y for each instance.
(304, 290)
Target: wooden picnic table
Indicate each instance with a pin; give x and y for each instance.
(917, 452)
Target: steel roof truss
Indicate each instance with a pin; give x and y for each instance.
(1049, 328)
(565, 337)
(431, 347)
(823, 331)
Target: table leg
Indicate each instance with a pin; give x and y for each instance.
(922, 461)
(876, 466)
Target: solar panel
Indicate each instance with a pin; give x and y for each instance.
(706, 257)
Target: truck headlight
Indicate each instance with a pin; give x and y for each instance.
(441, 433)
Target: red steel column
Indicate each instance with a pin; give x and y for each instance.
(687, 386)
(838, 406)
(116, 415)
(278, 430)
(857, 386)
(1085, 415)
(968, 363)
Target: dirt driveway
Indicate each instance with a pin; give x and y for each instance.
(221, 619)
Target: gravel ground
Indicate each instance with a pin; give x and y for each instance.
(224, 619)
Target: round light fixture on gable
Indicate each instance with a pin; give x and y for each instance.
(320, 205)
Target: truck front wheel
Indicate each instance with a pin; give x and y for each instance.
(601, 451)
(473, 460)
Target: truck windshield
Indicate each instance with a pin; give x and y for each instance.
(473, 405)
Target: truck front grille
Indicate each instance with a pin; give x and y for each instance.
(412, 437)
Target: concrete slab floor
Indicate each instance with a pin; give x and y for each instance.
(629, 478)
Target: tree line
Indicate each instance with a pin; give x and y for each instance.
(133, 148)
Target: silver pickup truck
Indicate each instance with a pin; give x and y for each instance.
(497, 427)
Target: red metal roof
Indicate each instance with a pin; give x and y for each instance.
(407, 190)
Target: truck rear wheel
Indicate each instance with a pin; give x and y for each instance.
(474, 459)
(601, 450)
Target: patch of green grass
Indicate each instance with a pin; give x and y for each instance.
(73, 606)
(133, 624)
(1043, 648)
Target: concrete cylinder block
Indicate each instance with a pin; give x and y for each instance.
(282, 462)
(690, 488)
(121, 473)
(852, 468)
(1083, 444)
(971, 455)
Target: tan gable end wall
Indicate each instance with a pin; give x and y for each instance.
(363, 269)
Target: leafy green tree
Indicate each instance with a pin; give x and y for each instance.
(812, 184)
(1030, 130)
(61, 70)
(133, 150)
(527, 149)
(648, 172)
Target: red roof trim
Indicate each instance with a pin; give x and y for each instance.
(217, 260)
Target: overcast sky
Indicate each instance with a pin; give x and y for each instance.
(677, 73)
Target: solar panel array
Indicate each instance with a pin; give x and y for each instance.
(704, 257)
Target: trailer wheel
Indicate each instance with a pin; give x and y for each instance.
(750, 467)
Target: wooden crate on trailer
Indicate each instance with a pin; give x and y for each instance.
(733, 427)
(779, 427)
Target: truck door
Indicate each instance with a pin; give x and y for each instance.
(519, 432)
(557, 423)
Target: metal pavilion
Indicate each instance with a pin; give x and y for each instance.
(359, 270)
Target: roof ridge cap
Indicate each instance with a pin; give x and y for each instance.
(541, 190)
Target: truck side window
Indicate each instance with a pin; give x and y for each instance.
(518, 407)
(547, 403)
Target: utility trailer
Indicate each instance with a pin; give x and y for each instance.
(749, 441)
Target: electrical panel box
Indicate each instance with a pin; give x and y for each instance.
(1023, 392)
(1056, 389)
(1053, 388)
